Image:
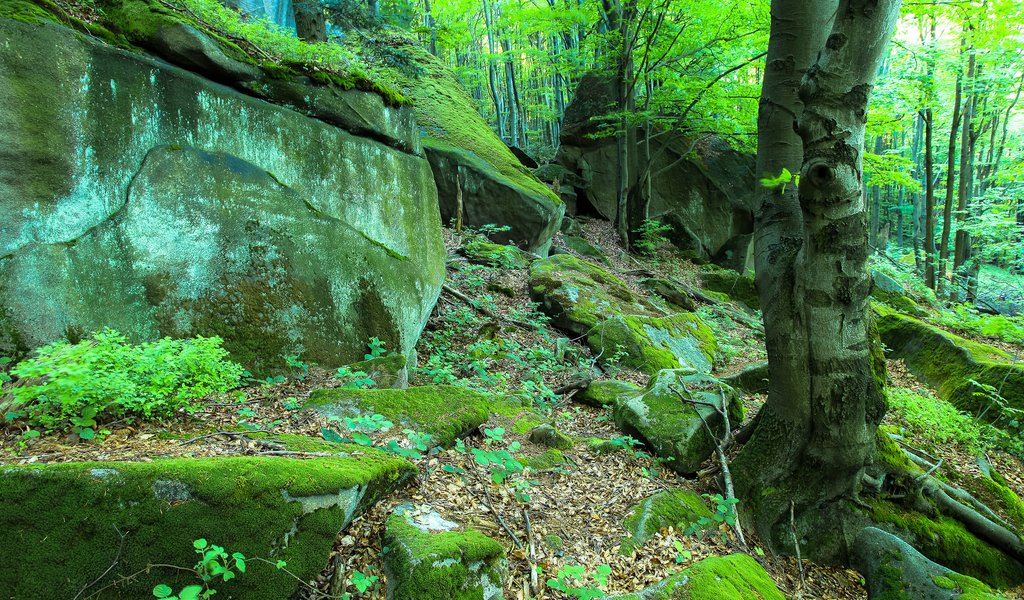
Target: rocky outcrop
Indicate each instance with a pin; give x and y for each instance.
(145, 198)
(703, 189)
(70, 519)
(470, 163)
(953, 365)
(672, 508)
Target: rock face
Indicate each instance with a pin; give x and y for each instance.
(469, 161)
(431, 559)
(892, 568)
(619, 325)
(949, 362)
(673, 428)
(732, 577)
(271, 507)
(676, 508)
(706, 199)
(145, 198)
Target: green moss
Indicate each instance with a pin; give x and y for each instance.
(496, 255)
(63, 520)
(446, 412)
(605, 393)
(449, 114)
(889, 454)
(948, 362)
(677, 508)
(947, 542)
(651, 344)
(732, 577)
(733, 284)
(549, 460)
(527, 422)
(454, 565)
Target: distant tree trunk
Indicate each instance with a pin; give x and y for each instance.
(947, 209)
(962, 244)
(428, 16)
(373, 8)
(492, 75)
(310, 22)
(929, 203)
(917, 220)
(876, 206)
(816, 433)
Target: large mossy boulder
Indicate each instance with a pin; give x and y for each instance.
(674, 413)
(444, 411)
(470, 162)
(145, 198)
(731, 283)
(893, 569)
(606, 392)
(65, 522)
(731, 577)
(675, 508)
(620, 326)
(432, 558)
(950, 363)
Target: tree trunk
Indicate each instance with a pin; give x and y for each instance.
(816, 433)
(962, 244)
(310, 22)
(947, 209)
(492, 75)
(929, 203)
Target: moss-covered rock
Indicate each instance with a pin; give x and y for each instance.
(584, 248)
(948, 542)
(389, 371)
(446, 412)
(470, 161)
(547, 435)
(496, 255)
(670, 292)
(894, 570)
(551, 459)
(888, 291)
(753, 379)
(948, 362)
(735, 285)
(586, 300)
(65, 521)
(676, 508)
(297, 237)
(665, 419)
(606, 392)
(732, 577)
(431, 559)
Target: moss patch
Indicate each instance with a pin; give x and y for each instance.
(947, 542)
(732, 577)
(678, 508)
(650, 344)
(604, 393)
(948, 362)
(448, 565)
(61, 519)
(446, 412)
(736, 286)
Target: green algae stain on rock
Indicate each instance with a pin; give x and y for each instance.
(281, 212)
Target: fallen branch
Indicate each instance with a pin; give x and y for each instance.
(117, 558)
(472, 304)
(534, 584)
(572, 387)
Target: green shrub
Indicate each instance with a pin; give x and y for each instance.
(107, 378)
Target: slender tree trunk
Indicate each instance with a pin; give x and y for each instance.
(947, 209)
(816, 433)
(962, 243)
(492, 75)
(428, 16)
(929, 203)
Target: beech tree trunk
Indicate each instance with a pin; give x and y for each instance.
(816, 433)
(947, 209)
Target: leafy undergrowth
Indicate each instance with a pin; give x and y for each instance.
(488, 336)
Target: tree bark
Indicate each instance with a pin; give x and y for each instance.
(929, 203)
(947, 209)
(962, 242)
(310, 22)
(816, 432)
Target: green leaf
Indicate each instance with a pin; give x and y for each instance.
(361, 438)
(200, 544)
(191, 592)
(162, 590)
(331, 435)
(281, 564)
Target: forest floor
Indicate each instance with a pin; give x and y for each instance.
(575, 511)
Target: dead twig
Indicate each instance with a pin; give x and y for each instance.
(117, 558)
